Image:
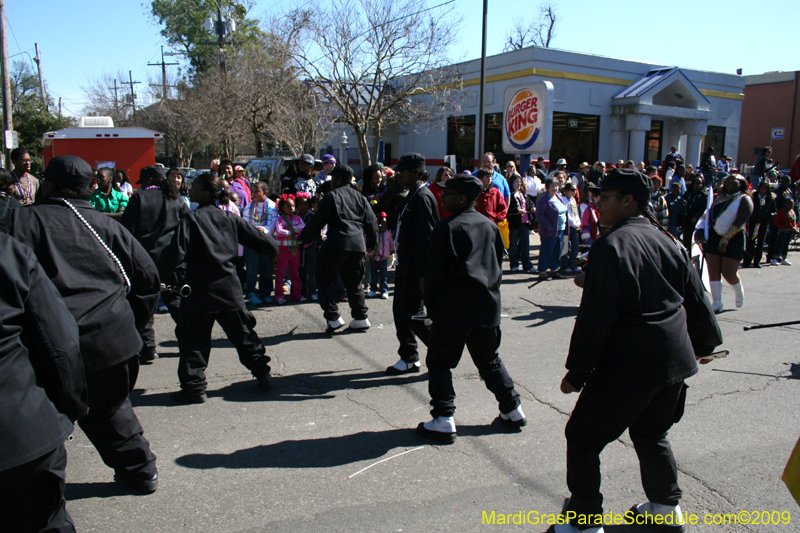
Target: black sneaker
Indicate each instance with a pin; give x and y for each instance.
(183, 396)
(145, 486)
(265, 382)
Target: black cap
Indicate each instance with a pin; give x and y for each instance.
(153, 172)
(411, 161)
(342, 172)
(69, 172)
(469, 186)
(627, 181)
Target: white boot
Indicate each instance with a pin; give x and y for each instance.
(716, 293)
(738, 290)
(669, 516)
(441, 428)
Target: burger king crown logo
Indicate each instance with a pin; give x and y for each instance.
(522, 115)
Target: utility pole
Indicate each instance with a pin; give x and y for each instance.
(164, 94)
(41, 79)
(7, 117)
(133, 94)
(163, 66)
(59, 108)
(481, 116)
(220, 27)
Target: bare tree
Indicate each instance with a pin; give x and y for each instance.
(375, 62)
(105, 101)
(539, 31)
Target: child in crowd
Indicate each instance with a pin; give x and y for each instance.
(786, 222)
(573, 227)
(287, 230)
(589, 220)
(306, 207)
(379, 260)
(226, 201)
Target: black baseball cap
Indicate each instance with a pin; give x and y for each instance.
(469, 186)
(152, 172)
(627, 181)
(69, 172)
(411, 161)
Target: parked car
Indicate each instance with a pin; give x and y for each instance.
(271, 170)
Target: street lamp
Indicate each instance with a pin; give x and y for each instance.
(343, 149)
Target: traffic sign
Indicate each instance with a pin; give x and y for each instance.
(12, 139)
(778, 133)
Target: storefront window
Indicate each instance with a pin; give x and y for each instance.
(652, 144)
(575, 138)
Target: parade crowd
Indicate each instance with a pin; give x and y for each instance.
(91, 261)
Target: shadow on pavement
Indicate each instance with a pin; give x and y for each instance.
(293, 388)
(313, 385)
(327, 452)
(106, 489)
(547, 313)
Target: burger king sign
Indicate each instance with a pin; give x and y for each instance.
(528, 118)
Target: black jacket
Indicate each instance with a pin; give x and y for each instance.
(42, 384)
(643, 315)
(350, 221)
(212, 239)
(763, 213)
(7, 205)
(154, 220)
(415, 226)
(88, 278)
(462, 282)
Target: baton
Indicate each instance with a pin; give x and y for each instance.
(426, 317)
(705, 359)
(775, 325)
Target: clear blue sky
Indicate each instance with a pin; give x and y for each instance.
(79, 39)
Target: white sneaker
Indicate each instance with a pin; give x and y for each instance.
(441, 428)
(401, 367)
(514, 269)
(671, 516)
(371, 294)
(516, 417)
(333, 325)
(775, 262)
(786, 263)
(384, 296)
(360, 324)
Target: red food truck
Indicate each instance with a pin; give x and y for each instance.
(100, 144)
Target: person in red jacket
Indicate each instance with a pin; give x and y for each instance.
(786, 222)
(490, 201)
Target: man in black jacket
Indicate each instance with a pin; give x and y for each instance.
(213, 236)
(42, 391)
(349, 219)
(462, 294)
(412, 242)
(153, 216)
(642, 321)
(110, 286)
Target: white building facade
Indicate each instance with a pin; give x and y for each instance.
(604, 109)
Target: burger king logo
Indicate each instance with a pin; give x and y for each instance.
(521, 118)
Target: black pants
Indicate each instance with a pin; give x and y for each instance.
(32, 496)
(194, 345)
(444, 352)
(173, 303)
(600, 416)
(112, 426)
(755, 247)
(350, 265)
(408, 302)
(308, 270)
(772, 242)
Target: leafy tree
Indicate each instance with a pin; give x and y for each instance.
(183, 27)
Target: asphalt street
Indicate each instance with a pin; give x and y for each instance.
(333, 447)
